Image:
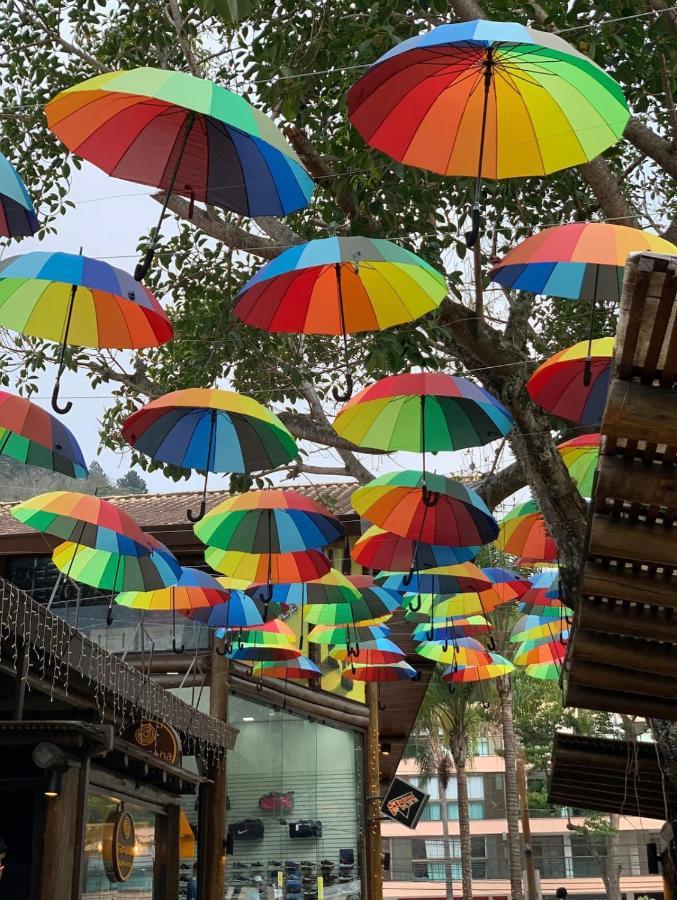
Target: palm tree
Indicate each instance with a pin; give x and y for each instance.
(450, 722)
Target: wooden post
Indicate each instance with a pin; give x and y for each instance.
(59, 831)
(372, 783)
(80, 826)
(526, 828)
(212, 833)
(166, 865)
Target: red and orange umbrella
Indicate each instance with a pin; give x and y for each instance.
(395, 671)
(379, 549)
(269, 568)
(580, 455)
(573, 383)
(524, 533)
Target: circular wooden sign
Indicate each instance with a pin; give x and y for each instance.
(118, 846)
(157, 738)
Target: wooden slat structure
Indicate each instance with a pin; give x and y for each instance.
(623, 652)
(610, 776)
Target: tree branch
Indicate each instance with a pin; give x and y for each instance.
(652, 144)
(56, 37)
(496, 487)
(179, 23)
(604, 186)
(668, 14)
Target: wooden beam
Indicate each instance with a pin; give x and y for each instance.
(617, 583)
(649, 623)
(372, 786)
(166, 863)
(633, 541)
(623, 681)
(586, 697)
(568, 758)
(640, 412)
(212, 833)
(651, 484)
(59, 830)
(645, 656)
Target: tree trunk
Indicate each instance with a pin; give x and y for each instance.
(613, 863)
(448, 866)
(464, 829)
(512, 812)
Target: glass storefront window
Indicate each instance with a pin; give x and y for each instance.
(97, 885)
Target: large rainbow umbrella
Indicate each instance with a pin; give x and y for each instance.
(29, 434)
(237, 612)
(268, 570)
(270, 521)
(573, 383)
(458, 517)
(528, 628)
(464, 655)
(441, 580)
(85, 520)
(73, 299)
(395, 671)
(579, 261)
(452, 628)
(210, 430)
(545, 608)
(255, 650)
(507, 584)
(17, 213)
(438, 609)
(498, 666)
(300, 668)
(343, 614)
(184, 135)
(345, 633)
(375, 652)
(379, 549)
(580, 455)
(535, 652)
(340, 286)
(523, 533)
(513, 102)
(544, 671)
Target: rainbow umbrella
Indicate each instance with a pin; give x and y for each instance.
(301, 668)
(210, 430)
(514, 102)
(357, 613)
(84, 520)
(507, 584)
(458, 517)
(375, 652)
(573, 383)
(423, 411)
(270, 521)
(340, 286)
(379, 549)
(239, 612)
(452, 628)
(269, 570)
(433, 608)
(533, 652)
(17, 213)
(76, 300)
(523, 533)
(32, 436)
(462, 655)
(544, 671)
(395, 671)
(345, 634)
(498, 666)
(184, 135)
(580, 455)
(545, 608)
(260, 652)
(532, 627)
(578, 261)
(379, 600)
(442, 580)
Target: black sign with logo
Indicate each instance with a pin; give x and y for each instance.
(404, 803)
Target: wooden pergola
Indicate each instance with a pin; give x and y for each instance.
(623, 651)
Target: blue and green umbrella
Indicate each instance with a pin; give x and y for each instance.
(17, 214)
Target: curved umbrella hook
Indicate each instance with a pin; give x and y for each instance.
(343, 397)
(429, 498)
(416, 604)
(61, 410)
(491, 643)
(192, 517)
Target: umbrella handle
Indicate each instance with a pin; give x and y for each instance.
(472, 235)
(406, 579)
(429, 498)
(491, 643)
(109, 615)
(569, 620)
(587, 372)
(200, 514)
(451, 687)
(175, 648)
(142, 268)
(61, 410)
(446, 644)
(343, 398)
(381, 705)
(415, 605)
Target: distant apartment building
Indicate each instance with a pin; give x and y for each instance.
(562, 856)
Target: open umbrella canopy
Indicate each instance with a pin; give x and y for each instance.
(534, 652)
(194, 589)
(340, 285)
(544, 671)
(533, 627)
(452, 628)
(146, 125)
(548, 106)
(300, 668)
(346, 634)
(375, 652)
(434, 607)
(112, 571)
(30, 435)
(523, 533)
(506, 584)
(458, 518)
(331, 588)
(264, 652)
(270, 521)
(558, 385)
(426, 411)
(379, 549)
(580, 455)
(578, 261)
(395, 671)
(17, 213)
(210, 430)
(545, 608)
(498, 666)
(463, 656)
(276, 569)
(444, 580)
(357, 612)
(239, 611)
(86, 520)
(379, 600)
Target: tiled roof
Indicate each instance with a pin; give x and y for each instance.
(154, 510)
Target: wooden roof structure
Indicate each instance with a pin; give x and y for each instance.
(623, 651)
(610, 776)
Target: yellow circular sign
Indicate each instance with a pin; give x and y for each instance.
(118, 846)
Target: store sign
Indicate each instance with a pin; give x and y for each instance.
(404, 803)
(118, 846)
(157, 738)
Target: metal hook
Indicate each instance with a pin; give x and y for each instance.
(200, 515)
(174, 647)
(61, 410)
